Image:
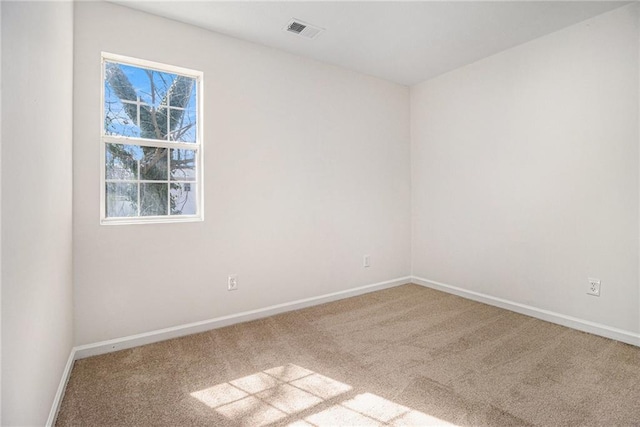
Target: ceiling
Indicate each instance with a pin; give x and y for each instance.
(405, 42)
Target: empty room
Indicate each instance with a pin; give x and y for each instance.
(329, 213)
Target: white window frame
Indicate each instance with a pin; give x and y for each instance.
(197, 146)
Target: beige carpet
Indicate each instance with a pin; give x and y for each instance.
(402, 356)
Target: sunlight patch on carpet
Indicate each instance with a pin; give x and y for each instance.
(300, 397)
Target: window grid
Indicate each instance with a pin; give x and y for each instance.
(138, 181)
(185, 186)
(138, 103)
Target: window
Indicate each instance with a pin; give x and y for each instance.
(151, 142)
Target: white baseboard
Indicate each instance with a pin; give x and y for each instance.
(219, 322)
(57, 400)
(549, 316)
(109, 346)
(80, 352)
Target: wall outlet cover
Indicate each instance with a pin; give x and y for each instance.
(594, 287)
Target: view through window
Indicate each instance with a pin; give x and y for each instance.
(151, 142)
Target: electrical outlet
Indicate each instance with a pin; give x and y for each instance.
(366, 261)
(232, 283)
(594, 287)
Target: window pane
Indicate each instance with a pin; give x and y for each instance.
(121, 199)
(119, 118)
(137, 100)
(183, 92)
(154, 164)
(119, 78)
(122, 161)
(183, 198)
(153, 123)
(153, 199)
(183, 165)
(183, 125)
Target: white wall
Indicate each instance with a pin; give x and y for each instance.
(306, 170)
(0, 214)
(525, 173)
(37, 296)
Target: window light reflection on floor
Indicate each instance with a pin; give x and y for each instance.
(287, 394)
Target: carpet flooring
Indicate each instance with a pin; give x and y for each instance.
(402, 356)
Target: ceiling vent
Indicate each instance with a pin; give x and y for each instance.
(303, 29)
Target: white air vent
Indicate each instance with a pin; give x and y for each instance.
(303, 29)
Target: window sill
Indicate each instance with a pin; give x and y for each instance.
(151, 220)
